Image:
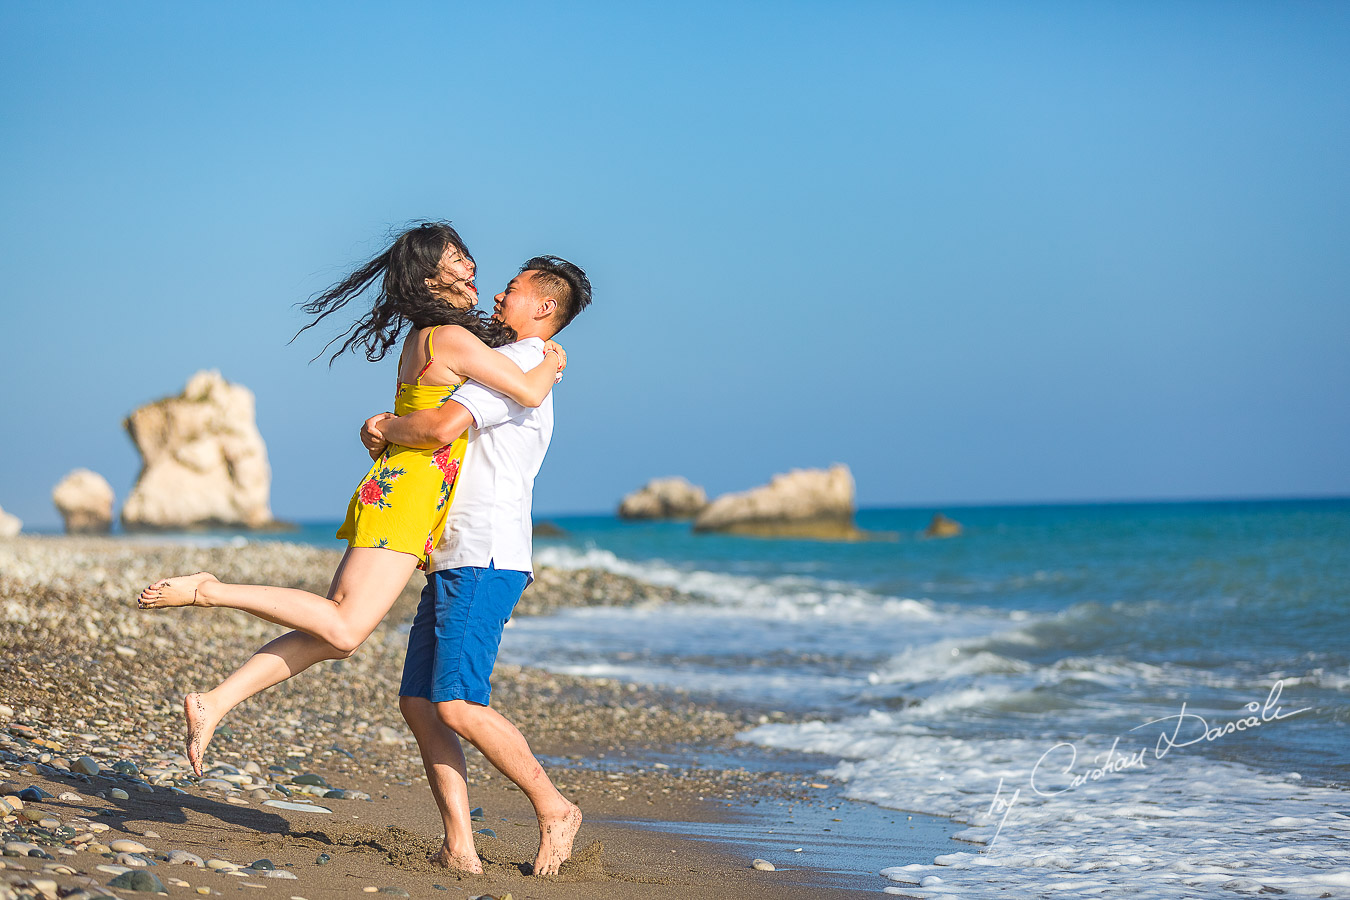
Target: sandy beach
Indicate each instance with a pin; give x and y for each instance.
(89, 683)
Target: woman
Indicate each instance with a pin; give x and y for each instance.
(399, 508)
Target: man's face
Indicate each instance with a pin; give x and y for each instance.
(517, 304)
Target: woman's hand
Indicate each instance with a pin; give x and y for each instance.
(555, 347)
(371, 438)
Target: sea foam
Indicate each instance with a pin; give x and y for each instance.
(1167, 828)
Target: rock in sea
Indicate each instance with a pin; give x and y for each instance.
(85, 501)
(664, 498)
(204, 460)
(804, 503)
(942, 527)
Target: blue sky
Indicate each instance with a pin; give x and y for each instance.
(981, 252)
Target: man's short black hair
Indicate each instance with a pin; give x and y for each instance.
(564, 282)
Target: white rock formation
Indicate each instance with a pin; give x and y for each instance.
(9, 525)
(664, 498)
(205, 463)
(809, 503)
(85, 501)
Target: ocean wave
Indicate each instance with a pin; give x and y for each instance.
(1332, 680)
(996, 585)
(946, 659)
(789, 596)
(1165, 828)
(781, 687)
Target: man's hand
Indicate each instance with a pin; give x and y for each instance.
(371, 438)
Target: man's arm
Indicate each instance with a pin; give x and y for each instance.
(473, 405)
(425, 429)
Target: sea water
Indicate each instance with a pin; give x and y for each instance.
(1127, 700)
(1115, 700)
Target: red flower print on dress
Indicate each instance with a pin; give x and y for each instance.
(376, 488)
(371, 492)
(449, 467)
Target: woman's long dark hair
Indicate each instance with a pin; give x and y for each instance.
(404, 298)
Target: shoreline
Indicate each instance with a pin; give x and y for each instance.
(86, 673)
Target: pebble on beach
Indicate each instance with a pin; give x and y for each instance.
(138, 880)
(296, 807)
(85, 765)
(128, 846)
(763, 865)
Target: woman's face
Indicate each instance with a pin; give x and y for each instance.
(453, 283)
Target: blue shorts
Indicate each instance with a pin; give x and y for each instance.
(455, 635)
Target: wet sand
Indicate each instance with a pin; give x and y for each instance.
(85, 674)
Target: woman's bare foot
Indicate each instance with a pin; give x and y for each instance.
(467, 863)
(556, 835)
(180, 591)
(200, 728)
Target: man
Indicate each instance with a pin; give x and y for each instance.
(479, 569)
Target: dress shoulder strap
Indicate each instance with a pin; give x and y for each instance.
(431, 353)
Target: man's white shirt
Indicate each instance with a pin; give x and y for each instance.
(490, 517)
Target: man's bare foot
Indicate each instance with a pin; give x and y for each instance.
(468, 863)
(180, 591)
(556, 835)
(200, 729)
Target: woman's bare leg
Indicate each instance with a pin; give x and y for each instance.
(365, 586)
(372, 576)
(276, 661)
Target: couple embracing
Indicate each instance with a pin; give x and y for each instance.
(449, 491)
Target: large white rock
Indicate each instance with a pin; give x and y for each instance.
(664, 498)
(9, 525)
(85, 501)
(808, 503)
(205, 463)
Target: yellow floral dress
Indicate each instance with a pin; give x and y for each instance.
(402, 502)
